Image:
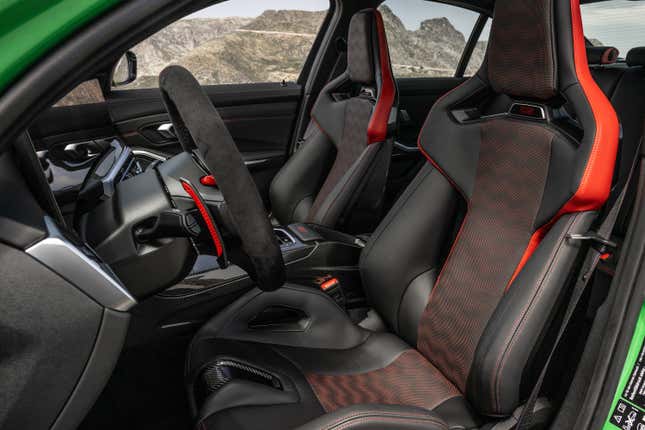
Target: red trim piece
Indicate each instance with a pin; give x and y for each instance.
(208, 181)
(595, 184)
(331, 283)
(534, 242)
(206, 216)
(377, 128)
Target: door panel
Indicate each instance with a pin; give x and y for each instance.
(260, 118)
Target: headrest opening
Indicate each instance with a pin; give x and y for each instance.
(522, 49)
(636, 57)
(602, 54)
(360, 48)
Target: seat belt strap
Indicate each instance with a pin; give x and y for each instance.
(600, 242)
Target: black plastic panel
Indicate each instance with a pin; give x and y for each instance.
(47, 332)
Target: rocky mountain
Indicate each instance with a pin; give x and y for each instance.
(273, 46)
(289, 21)
(176, 41)
(434, 49)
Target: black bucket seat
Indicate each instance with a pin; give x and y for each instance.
(337, 177)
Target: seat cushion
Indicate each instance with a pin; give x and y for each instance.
(408, 380)
(300, 382)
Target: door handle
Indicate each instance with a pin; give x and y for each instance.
(84, 151)
(167, 131)
(405, 148)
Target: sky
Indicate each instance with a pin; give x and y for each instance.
(617, 23)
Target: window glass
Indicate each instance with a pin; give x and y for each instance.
(426, 39)
(477, 58)
(235, 42)
(617, 23)
(88, 92)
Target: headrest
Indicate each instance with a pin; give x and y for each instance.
(360, 49)
(636, 57)
(602, 54)
(536, 69)
(522, 49)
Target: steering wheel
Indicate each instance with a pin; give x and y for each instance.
(199, 126)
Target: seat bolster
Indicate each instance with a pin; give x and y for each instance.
(508, 344)
(327, 112)
(294, 188)
(338, 201)
(377, 417)
(402, 258)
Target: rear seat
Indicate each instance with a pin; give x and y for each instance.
(624, 85)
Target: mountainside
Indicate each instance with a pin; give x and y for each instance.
(177, 40)
(434, 49)
(273, 47)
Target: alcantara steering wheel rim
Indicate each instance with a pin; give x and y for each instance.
(199, 125)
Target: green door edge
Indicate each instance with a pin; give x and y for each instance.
(632, 355)
(29, 29)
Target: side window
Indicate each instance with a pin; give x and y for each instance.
(234, 42)
(426, 38)
(85, 93)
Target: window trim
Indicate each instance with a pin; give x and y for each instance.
(319, 41)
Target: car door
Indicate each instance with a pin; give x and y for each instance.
(434, 47)
(251, 61)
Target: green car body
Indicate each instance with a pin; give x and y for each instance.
(30, 28)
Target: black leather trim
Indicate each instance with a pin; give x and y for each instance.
(377, 417)
(453, 147)
(378, 351)
(409, 242)
(336, 202)
(457, 414)
(414, 301)
(602, 54)
(514, 330)
(296, 185)
(327, 327)
(636, 56)
(240, 393)
(264, 417)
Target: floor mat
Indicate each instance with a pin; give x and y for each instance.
(146, 391)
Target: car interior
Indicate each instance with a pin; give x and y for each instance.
(352, 249)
